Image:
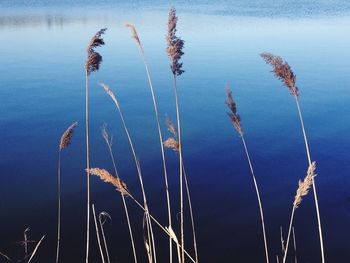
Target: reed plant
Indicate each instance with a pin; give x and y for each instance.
(174, 50)
(64, 143)
(155, 106)
(172, 143)
(283, 72)
(102, 218)
(236, 122)
(152, 247)
(108, 139)
(92, 64)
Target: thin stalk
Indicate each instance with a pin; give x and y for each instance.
(59, 206)
(295, 246)
(104, 238)
(35, 249)
(109, 92)
(191, 215)
(25, 243)
(98, 234)
(160, 142)
(313, 181)
(162, 228)
(3, 255)
(87, 164)
(180, 163)
(288, 237)
(258, 196)
(124, 204)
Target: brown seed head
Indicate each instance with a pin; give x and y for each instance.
(67, 136)
(170, 126)
(304, 186)
(282, 71)
(135, 36)
(235, 118)
(94, 59)
(108, 178)
(171, 143)
(175, 44)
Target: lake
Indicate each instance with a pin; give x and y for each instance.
(42, 91)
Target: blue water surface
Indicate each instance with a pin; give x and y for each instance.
(42, 91)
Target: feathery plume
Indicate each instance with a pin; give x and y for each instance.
(135, 36)
(110, 93)
(106, 136)
(108, 178)
(172, 144)
(67, 136)
(171, 127)
(94, 59)
(235, 118)
(175, 44)
(282, 71)
(304, 186)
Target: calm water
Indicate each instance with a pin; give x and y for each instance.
(42, 92)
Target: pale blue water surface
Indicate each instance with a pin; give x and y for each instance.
(43, 51)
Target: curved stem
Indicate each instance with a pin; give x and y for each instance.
(98, 234)
(259, 200)
(87, 164)
(161, 145)
(139, 174)
(180, 163)
(288, 237)
(58, 205)
(104, 238)
(124, 204)
(313, 181)
(191, 215)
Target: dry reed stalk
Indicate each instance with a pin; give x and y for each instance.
(92, 64)
(236, 121)
(64, 143)
(137, 164)
(283, 249)
(5, 256)
(173, 144)
(174, 50)
(282, 71)
(295, 246)
(108, 140)
(102, 222)
(103, 173)
(303, 189)
(155, 106)
(36, 248)
(26, 242)
(98, 234)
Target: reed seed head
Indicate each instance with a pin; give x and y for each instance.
(175, 44)
(171, 142)
(94, 59)
(234, 117)
(108, 178)
(304, 186)
(135, 36)
(110, 93)
(106, 136)
(282, 71)
(67, 136)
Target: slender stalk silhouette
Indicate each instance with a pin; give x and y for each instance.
(98, 234)
(138, 167)
(303, 189)
(108, 139)
(155, 106)
(102, 218)
(92, 64)
(120, 186)
(172, 143)
(64, 143)
(236, 122)
(174, 50)
(283, 71)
